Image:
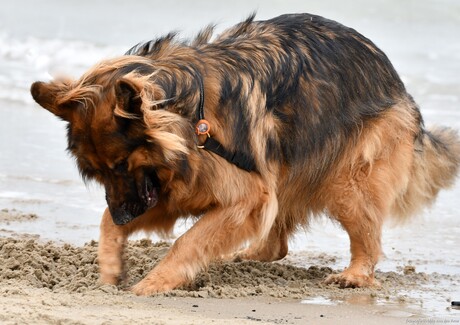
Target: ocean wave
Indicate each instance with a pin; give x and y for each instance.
(55, 181)
(23, 61)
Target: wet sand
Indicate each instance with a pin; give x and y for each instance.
(48, 282)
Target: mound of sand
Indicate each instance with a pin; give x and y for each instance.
(48, 283)
(74, 269)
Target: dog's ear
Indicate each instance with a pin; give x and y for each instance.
(46, 95)
(129, 100)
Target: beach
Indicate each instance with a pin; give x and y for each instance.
(49, 283)
(49, 219)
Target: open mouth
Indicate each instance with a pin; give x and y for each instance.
(135, 204)
(150, 190)
(150, 193)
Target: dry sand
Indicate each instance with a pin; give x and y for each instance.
(51, 283)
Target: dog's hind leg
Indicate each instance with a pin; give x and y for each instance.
(360, 208)
(273, 248)
(113, 239)
(364, 229)
(361, 197)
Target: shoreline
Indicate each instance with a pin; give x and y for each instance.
(28, 305)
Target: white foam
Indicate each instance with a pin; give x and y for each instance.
(23, 61)
(12, 194)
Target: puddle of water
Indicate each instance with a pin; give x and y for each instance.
(319, 301)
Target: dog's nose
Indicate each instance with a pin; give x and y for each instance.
(126, 212)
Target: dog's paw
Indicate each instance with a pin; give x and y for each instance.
(251, 254)
(237, 256)
(142, 289)
(153, 285)
(348, 279)
(107, 278)
(112, 274)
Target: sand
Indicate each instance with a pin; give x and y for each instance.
(52, 283)
(8, 216)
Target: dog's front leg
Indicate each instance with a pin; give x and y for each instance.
(113, 239)
(110, 251)
(218, 232)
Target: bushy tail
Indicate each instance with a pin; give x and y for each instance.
(435, 167)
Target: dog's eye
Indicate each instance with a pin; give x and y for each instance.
(121, 167)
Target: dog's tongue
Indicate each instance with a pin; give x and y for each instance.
(150, 193)
(152, 197)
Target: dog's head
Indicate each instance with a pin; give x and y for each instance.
(123, 131)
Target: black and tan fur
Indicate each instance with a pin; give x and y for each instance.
(317, 106)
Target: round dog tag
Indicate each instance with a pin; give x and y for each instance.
(202, 127)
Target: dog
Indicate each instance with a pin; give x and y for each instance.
(254, 132)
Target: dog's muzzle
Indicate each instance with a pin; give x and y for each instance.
(147, 197)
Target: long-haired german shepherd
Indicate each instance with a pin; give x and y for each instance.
(255, 132)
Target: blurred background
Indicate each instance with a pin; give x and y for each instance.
(42, 39)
